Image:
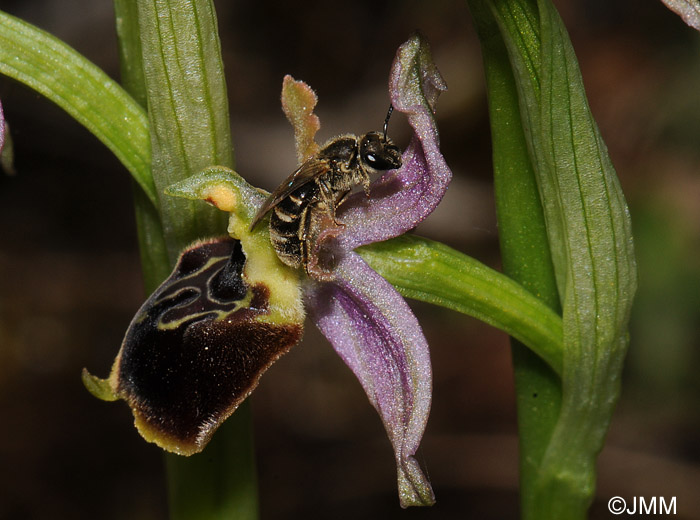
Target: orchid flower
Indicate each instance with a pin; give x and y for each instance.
(197, 347)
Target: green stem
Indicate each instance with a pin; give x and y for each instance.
(221, 481)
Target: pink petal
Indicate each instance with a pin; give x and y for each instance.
(689, 10)
(374, 331)
(402, 198)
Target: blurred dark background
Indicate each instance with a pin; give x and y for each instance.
(70, 277)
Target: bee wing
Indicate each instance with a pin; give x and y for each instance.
(302, 175)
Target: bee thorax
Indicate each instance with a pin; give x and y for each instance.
(306, 203)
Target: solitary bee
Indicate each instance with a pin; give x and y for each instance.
(320, 185)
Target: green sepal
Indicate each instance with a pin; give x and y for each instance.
(223, 188)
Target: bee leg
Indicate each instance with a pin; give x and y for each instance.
(303, 236)
(365, 183)
(332, 209)
(329, 201)
(342, 199)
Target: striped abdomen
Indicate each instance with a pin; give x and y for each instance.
(289, 223)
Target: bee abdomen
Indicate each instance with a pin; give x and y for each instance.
(289, 251)
(287, 225)
(289, 209)
(285, 239)
(285, 222)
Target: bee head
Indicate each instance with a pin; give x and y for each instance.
(377, 152)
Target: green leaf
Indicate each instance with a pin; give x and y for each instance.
(524, 243)
(591, 229)
(590, 240)
(187, 109)
(432, 272)
(58, 72)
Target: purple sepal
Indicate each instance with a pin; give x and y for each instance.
(374, 331)
(688, 10)
(402, 198)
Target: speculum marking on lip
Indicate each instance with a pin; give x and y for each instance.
(196, 349)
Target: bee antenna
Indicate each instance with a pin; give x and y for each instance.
(386, 121)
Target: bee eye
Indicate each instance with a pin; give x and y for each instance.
(370, 158)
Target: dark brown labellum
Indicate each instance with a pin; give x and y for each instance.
(197, 347)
